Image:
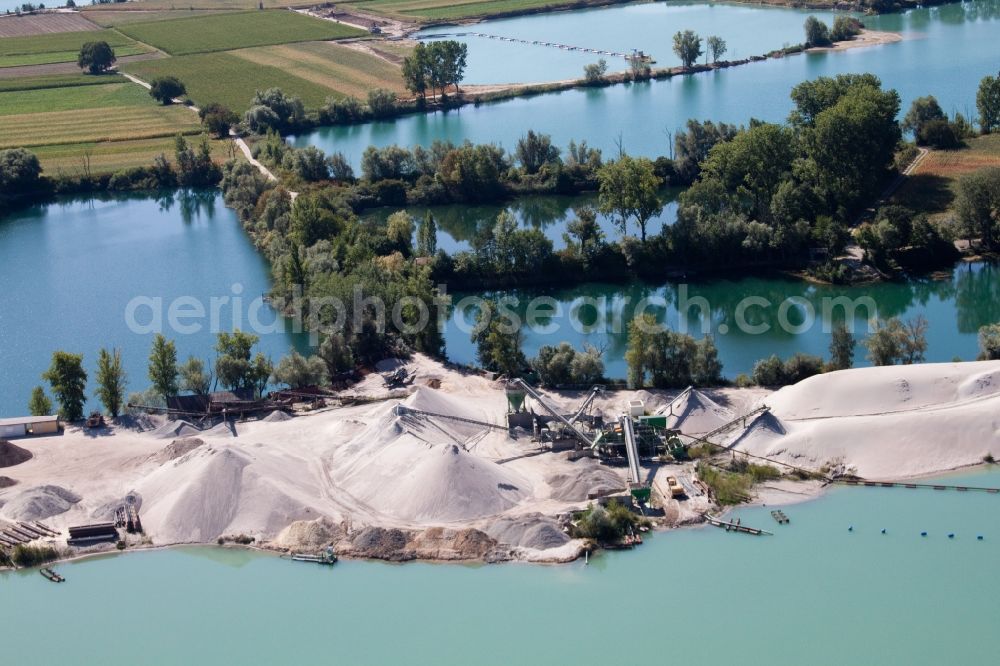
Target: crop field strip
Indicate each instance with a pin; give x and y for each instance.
(227, 79)
(166, 5)
(114, 17)
(236, 30)
(344, 71)
(61, 47)
(43, 24)
(934, 184)
(99, 124)
(41, 100)
(58, 81)
(112, 156)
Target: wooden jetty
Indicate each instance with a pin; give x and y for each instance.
(52, 575)
(780, 517)
(635, 55)
(735, 526)
(906, 484)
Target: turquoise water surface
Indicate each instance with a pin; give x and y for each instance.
(790, 318)
(814, 593)
(70, 269)
(649, 27)
(945, 52)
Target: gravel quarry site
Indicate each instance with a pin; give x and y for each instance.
(375, 480)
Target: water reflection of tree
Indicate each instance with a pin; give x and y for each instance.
(977, 296)
(968, 12)
(542, 212)
(190, 203)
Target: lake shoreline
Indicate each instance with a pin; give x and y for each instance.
(477, 94)
(766, 496)
(361, 514)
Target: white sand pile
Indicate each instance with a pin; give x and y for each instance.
(277, 416)
(651, 401)
(174, 429)
(694, 413)
(222, 429)
(39, 503)
(586, 478)
(438, 402)
(533, 531)
(178, 448)
(441, 483)
(211, 492)
(888, 422)
(763, 428)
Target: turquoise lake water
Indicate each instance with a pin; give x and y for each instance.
(458, 224)
(812, 594)
(102, 254)
(71, 268)
(649, 27)
(946, 51)
(598, 314)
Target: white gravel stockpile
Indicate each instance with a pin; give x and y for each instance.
(886, 422)
(694, 413)
(39, 503)
(365, 465)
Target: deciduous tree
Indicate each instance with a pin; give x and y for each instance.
(163, 366)
(687, 46)
(111, 381)
(164, 89)
(39, 404)
(716, 47)
(68, 380)
(96, 57)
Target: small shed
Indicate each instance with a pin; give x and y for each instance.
(24, 426)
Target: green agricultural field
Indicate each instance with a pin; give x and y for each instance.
(228, 79)
(224, 32)
(45, 100)
(112, 156)
(57, 81)
(150, 5)
(340, 69)
(100, 124)
(115, 17)
(61, 47)
(456, 9)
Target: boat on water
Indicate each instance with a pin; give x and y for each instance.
(52, 575)
(326, 557)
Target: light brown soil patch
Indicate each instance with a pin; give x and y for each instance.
(42, 24)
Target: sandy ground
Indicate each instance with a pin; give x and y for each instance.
(377, 483)
(864, 39)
